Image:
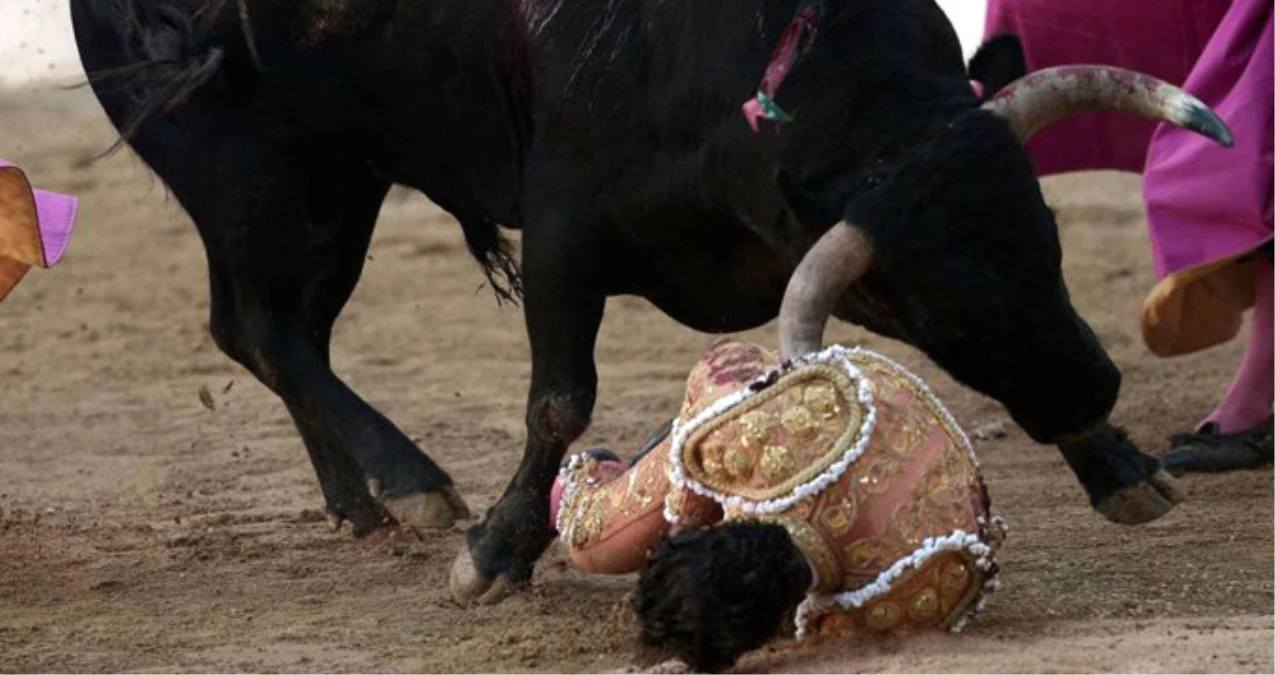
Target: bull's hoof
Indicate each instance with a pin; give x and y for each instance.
(429, 510)
(470, 587)
(1143, 502)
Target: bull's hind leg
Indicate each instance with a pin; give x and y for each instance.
(286, 240)
(280, 282)
(343, 205)
(285, 227)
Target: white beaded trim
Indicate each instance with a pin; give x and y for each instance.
(836, 355)
(1002, 529)
(957, 541)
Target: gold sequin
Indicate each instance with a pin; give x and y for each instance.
(710, 454)
(925, 605)
(883, 615)
(955, 577)
(776, 462)
(822, 400)
(798, 421)
(738, 462)
(758, 426)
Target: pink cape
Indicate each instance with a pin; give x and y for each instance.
(1207, 206)
(35, 226)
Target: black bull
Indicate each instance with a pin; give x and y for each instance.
(610, 134)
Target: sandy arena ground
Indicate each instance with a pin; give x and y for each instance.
(141, 531)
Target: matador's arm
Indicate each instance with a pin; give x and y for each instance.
(609, 514)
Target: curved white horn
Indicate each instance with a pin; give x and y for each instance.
(1038, 99)
(833, 264)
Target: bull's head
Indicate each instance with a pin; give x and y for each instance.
(953, 250)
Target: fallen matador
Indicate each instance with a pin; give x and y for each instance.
(832, 483)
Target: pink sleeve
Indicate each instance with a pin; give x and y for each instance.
(609, 526)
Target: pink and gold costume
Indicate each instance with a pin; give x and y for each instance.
(871, 477)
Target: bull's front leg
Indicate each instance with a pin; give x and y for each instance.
(564, 293)
(1124, 484)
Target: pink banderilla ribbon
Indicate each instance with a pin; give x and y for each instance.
(763, 104)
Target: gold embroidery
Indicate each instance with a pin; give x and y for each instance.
(752, 427)
(888, 373)
(835, 426)
(710, 452)
(960, 605)
(822, 400)
(955, 578)
(862, 552)
(925, 605)
(840, 517)
(776, 462)
(880, 475)
(758, 426)
(915, 591)
(738, 462)
(909, 432)
(798, 421)
(882, 615)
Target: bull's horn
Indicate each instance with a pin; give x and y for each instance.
(832, 265)
(1038, 99)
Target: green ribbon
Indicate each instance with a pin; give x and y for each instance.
(772, 110)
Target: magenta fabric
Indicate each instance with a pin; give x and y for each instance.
(1158, 37)
(56, 214)
(1206, 203)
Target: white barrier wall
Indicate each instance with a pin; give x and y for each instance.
(36, 41)
(967, 16)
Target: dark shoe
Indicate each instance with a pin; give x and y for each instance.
(601, 455)
(1208, 451)
(655, 439)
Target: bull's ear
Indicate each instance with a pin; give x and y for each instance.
(998, 62)
(804, 201)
